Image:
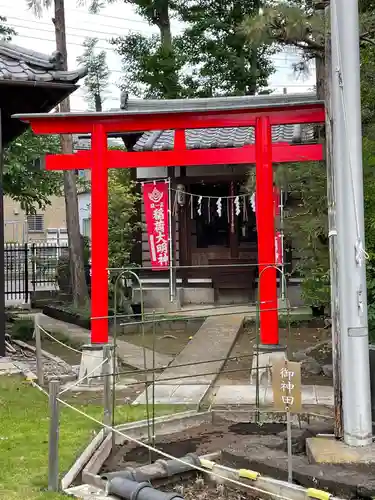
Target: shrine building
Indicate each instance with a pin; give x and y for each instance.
(213, 209)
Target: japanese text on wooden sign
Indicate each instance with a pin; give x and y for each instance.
(286, 385)
(155, 198)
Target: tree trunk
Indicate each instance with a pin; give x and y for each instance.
(98, 102)
(77, 271)
(163, 22)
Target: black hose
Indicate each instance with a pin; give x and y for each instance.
(157, 470)
(131, 490)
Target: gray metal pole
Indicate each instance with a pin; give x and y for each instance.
(172, 273)
(332, 229)
(53, 443)
(347, 153)
(107, 401)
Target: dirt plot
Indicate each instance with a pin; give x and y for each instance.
(262, 448)
(203, 439)
(297, 339)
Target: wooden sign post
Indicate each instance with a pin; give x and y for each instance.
(286, 386)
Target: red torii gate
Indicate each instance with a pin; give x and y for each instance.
(234, 114)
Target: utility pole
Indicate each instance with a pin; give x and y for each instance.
(79, 286)
(332, 230)
(347, 155)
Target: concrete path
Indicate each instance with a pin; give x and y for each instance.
(240, 395)
(129, 354)
(204, 356)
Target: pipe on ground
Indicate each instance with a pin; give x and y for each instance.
(131, 490)
(157, 470)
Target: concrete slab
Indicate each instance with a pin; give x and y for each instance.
(324, 395)
(88, 492)
(321, 450)
(246, 395)
(175, 394)
(212, 342)
(200, 362)
(7, 367)
(238, 395)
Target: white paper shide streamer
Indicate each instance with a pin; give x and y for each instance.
(219, 207)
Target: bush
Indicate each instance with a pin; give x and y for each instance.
(316, 291)
(23, 329)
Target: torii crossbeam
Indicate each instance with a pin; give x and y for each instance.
(233, 112)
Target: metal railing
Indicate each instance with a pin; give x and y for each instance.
(30, 267)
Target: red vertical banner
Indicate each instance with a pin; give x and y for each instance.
(155, 199)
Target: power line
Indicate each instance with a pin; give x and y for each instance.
(109, 48)
(139, 21)
(95, 32)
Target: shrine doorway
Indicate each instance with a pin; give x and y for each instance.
(221, 237)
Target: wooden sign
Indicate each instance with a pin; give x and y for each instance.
(286, 386)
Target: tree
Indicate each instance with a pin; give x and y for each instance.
(299, 26)
(97, 79)
(24, 178)
(6, 32)
(151, 64)
(211, 57)
(222, 59)
(77, 271)
(122, 210)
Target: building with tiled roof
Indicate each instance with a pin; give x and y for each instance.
(31, 82)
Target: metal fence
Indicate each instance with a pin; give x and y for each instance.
(30, 267)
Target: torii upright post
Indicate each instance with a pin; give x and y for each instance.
(265, 214)
(99, 235)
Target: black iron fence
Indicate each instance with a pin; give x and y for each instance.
(30, 267)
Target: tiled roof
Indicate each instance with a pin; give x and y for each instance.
(215, 103)
(223, 137)
(20, 64)
(131, 107)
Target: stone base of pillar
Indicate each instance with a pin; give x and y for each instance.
(93, 368)
(263, 357)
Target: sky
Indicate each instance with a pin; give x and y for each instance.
(114, 20)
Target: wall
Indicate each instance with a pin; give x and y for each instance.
(15, 226)
(84, 208)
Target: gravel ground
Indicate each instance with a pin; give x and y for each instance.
(51, 368)
(199, 489)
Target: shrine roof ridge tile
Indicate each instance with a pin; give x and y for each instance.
(160, 106)
(20, 64)
(218, 103)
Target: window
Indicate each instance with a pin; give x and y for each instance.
(35, 223)
(86, 227)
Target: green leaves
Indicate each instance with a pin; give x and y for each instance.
(6, 32)
(122, 217)
(24, 179)
(97, 79)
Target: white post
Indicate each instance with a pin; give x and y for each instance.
(347, 155)
(282, 253)
(172, 289)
